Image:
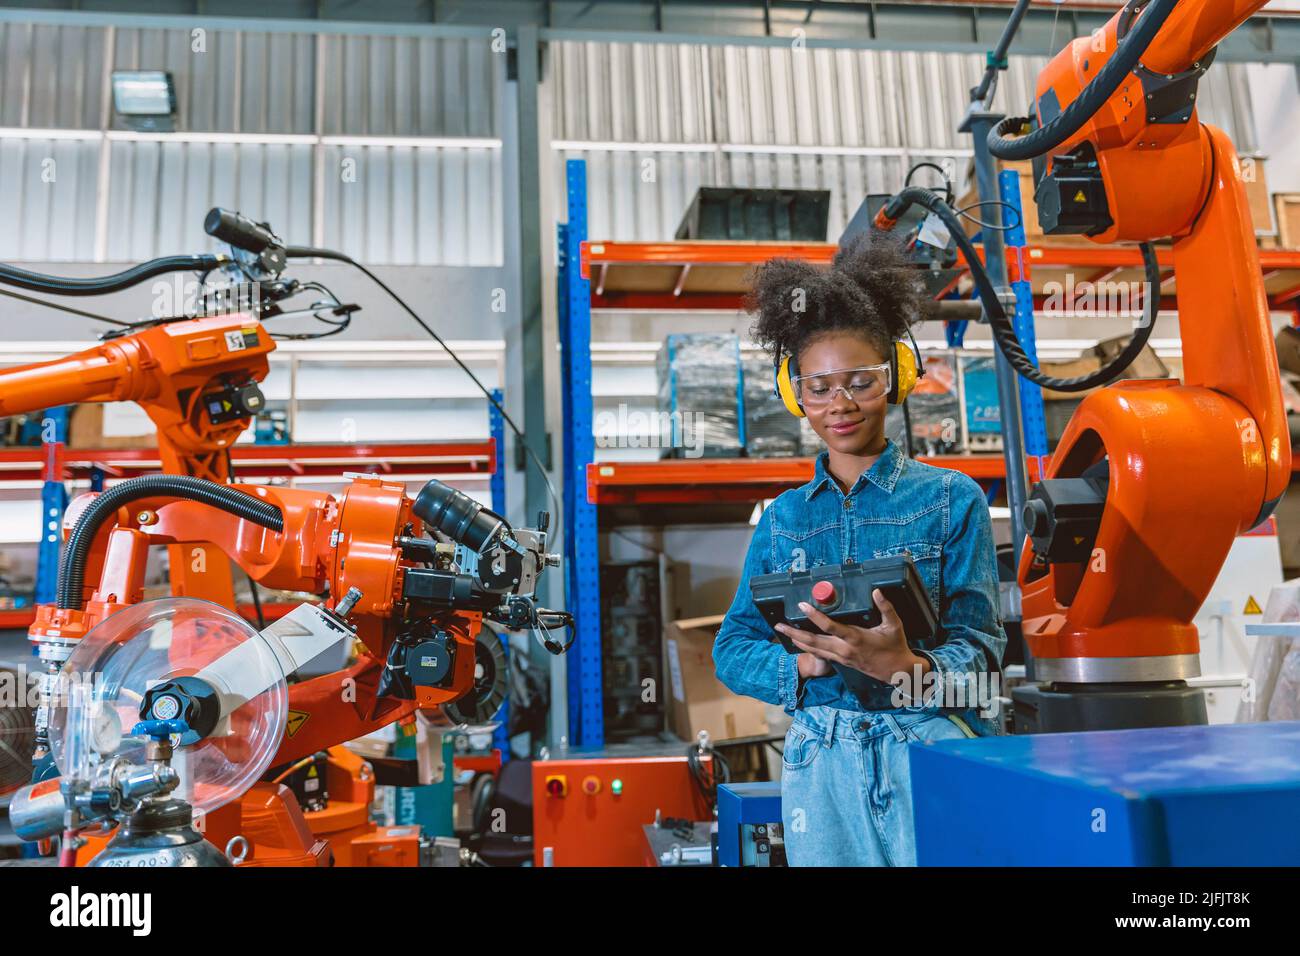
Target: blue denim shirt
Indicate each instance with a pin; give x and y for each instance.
(940, 517)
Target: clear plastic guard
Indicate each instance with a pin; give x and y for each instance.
(102, 685)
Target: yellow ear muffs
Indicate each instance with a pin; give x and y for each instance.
(785, 388)
(903, 373)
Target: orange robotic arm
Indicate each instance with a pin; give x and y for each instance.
(195, 378)
(365, 542)
(1187, 467)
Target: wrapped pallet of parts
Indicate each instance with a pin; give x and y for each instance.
(770, 430)
(700, 392)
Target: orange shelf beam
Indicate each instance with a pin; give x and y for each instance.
(701, 481)
(1281, 269)
(267, 461)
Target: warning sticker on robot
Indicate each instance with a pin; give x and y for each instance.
(296, 719)
(1252, 606)
(241, 339)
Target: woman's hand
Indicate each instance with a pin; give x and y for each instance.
(811, 666)
(880, 652)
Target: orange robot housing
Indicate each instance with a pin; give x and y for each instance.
(1191, 466)
(322, 544)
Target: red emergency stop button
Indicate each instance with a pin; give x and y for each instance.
(823, 593)
(591, 785)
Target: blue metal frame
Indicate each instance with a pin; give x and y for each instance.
(497, 426)
(739, 804)
(581, 541)
(54, 500)
(1033, 420)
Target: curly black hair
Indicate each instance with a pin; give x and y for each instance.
(870, 288)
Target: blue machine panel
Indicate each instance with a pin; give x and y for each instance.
(741, 803)
(1223, 795)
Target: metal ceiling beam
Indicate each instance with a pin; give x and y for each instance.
(939, 25)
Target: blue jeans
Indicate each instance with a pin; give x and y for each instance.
(846, 785)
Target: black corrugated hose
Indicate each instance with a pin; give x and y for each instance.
(102, 285)
(230, 500)
(1071, 119)
(1004, 333)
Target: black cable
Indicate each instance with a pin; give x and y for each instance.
(988, 84)
(1004, 333)
(964, 212)
(707, 780)
(308, 252)
(1072, 119)
(907, 431)
(72, 569)
(66, 308)
(257, 601)
(947, 183)
(252, 585)
(102, 285)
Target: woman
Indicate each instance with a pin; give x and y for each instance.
(846, 782)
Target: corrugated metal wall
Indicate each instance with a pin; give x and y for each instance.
(412, 205)
(848, 120)
(388, 204)
(48, 189)
(159, 192)
(51, 76)
(411, 86)
(228, 81)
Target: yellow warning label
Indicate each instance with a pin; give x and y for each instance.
(311, 772)
(1078, 539)
(1252, 606)
(1080, 197)
(296, 719)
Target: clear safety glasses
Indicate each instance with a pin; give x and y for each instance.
(863, 384)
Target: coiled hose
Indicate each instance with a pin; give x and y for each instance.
(1004, 333)
(1071, 119)
(222, 497)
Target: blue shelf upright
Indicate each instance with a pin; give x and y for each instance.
(1032, 417)
(54, 500)
(581, 544)
(497, 427)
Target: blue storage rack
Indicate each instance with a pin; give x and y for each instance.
(54, 500)
(1033, 421)
(581, 541)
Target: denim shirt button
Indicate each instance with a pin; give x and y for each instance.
(848, 504)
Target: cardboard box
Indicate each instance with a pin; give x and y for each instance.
(1146, 365)
(699, 701)
(1288, 349)
(1256, 185)
(1287, 206)
(1071, 369)
(110, 426)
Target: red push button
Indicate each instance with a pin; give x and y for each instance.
(823, 592)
